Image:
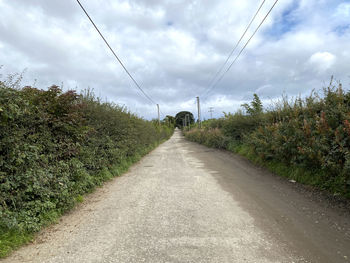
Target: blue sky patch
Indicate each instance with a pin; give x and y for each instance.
(287, 22)
(343, 29)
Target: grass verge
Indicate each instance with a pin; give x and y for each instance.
(313, 177)
(299, 174)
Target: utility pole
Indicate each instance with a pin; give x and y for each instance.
(199, 113)
(158, 115)
(211, 110)
(340, 89)
(187, 117)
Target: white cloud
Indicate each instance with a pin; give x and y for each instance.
(322, 61)
(173, 48)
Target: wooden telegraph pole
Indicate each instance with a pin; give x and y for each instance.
(158, 115)
(199, 113)
(188, 122)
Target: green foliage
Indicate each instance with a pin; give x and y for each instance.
(299, 174)
(209, 137)
(55, 146)
(237, 125)
(255, 106)
(12, 239)
(180, 117)
(305, 139)
(169, 121)
(315, 134)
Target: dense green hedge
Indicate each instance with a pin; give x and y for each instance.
(310, 136)
(56, 146)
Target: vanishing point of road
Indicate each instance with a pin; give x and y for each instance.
(184, 202)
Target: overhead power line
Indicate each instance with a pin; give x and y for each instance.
(235, 47)
(239, 54)
(115, 55)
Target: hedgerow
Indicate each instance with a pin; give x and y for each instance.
(55, 146)
(310, 137)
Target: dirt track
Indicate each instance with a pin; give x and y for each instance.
(187, 203)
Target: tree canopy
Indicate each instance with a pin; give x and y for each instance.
(169, 120)
(181, 116)
(255, 106)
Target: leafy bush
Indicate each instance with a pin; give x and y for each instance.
(209, 137)
(315, 134)
(310, 135)
(56, 146)
(237, 125)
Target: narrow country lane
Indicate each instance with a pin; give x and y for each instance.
(187, 203)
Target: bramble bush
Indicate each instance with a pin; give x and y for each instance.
(310, 135)
(55, 146)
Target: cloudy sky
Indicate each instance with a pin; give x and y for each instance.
(173, 48)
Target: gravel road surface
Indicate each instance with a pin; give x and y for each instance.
(184, 202)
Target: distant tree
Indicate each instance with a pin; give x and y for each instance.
(169, 120)
(255, 107)
(181, 116)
